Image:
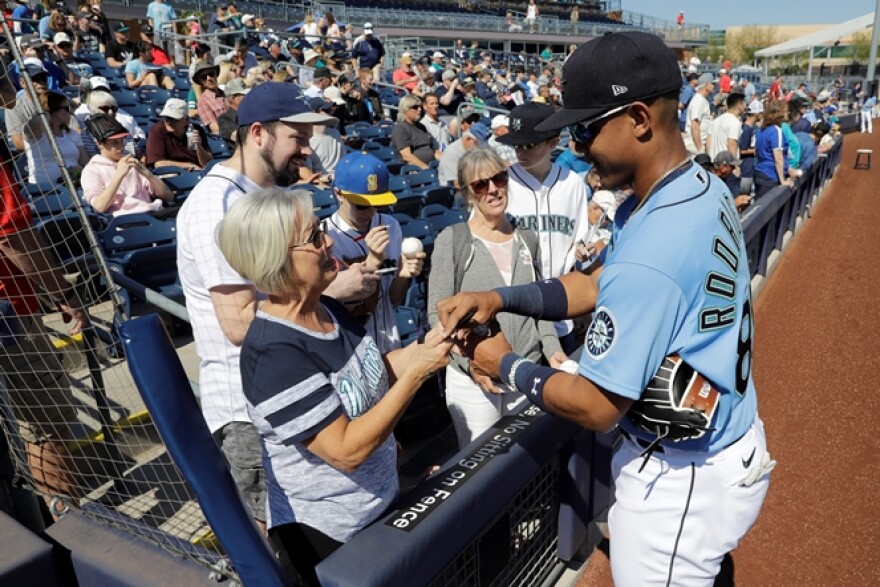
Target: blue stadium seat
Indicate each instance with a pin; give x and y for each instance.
(440, 221)
(323, 200)
(424, 178)
(219, 147)
(153, 95)
(49, 203)
(139, 110)
(443, 194)
(398, 185)
(126, 99)
(182, 184)
(408, 204)
(409, 169)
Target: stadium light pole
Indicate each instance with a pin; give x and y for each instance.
(872, 57)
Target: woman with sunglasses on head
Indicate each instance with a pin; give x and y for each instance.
(323, 397)
(101, 101)
(486, 253)
(42, 165)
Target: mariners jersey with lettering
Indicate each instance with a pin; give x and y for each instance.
(676, 281)
(555, 209)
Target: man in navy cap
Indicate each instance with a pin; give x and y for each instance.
(667, 356)
(275, 125)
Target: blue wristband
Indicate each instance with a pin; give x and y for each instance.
(530, 377)
(546, 300)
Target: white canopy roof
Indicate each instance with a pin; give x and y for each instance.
(819, 38)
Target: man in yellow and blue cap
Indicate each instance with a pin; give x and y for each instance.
(361, 233)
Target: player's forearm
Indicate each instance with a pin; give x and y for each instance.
(572, 295)
(572, 397)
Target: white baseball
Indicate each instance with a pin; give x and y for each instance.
(411, 246)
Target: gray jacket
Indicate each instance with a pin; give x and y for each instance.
(527, 336)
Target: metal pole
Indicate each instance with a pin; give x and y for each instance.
(810, 71)
(872, 58)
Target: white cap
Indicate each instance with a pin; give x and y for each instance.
(334, 94)
(174, 108)
(368, 28)
(61, 37)
(247, 17)
(309, 54)
(438, 55)
(499, 121)
(756, 107)
(605, 200)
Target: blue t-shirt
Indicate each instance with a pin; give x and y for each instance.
(809, 150)
(23, 12)
(568, 160)
(676, 282)
(296, 382)
(160, 13)
(687, 92)
(770, 139)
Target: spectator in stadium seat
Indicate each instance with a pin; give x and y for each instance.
(241, 57)
(228, 121)
(24, 109)
(117, 183)
(367, 51)
(212, 100)
(363, 101)
(37, 387)
(167, 141)
(497, 254)
(449, 93)
(483, 89)
(201, 52)
(821, 136)
(62, 56)
(87, 34)
(475, 136)
(34, 50)
(334, 94)
(725, 166)
(140, 71)
(436, 126)
(159, 55)
(326, 142)
(361, 234)
(413, 142)
(427, 84)
(97, 99)
(404, 76)
(43, 167)
(500, 127)
(330, 453)
(771, 150)
(320, 82)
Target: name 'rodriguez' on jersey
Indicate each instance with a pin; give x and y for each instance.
(676, 281)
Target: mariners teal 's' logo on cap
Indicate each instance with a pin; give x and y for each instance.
(372, 183)
(601, 334)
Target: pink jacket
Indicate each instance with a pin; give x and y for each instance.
(134, 193)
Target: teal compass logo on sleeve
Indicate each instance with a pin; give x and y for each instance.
(600, 334)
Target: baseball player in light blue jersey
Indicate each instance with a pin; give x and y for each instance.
(667, 357)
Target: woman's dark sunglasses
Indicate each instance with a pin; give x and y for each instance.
(106, 109)
(481, 186)
(316, 239)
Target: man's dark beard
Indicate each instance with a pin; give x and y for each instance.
(282, 178)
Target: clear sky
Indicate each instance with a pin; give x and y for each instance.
(720, 14)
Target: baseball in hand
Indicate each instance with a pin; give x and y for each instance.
(411, 246)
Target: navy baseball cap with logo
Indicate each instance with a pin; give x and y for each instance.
(611, 71)
(524, 120)
(279, 101)
(363, 179)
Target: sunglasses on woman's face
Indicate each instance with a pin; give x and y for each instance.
(480, 187)
(108, 109)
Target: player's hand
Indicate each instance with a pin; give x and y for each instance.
(742, 202)
(354, 284)
(477, 307)
(377, 241)
(580, 252)
(484, 351)
(411, 265)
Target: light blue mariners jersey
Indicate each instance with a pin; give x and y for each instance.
(676, 281)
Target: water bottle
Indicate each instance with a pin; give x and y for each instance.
(192, 138)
